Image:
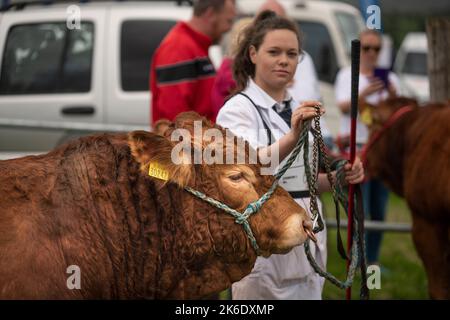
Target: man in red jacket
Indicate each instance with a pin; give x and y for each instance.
(182, 75)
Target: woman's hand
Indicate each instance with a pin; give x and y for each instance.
(375, 85)
(285, 145)
(307, 110)
(354, 174)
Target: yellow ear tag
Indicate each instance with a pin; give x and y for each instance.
(366, 117)
(157, 171)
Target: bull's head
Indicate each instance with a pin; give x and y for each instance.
(278, 226)
(386, 130)
(375, 117)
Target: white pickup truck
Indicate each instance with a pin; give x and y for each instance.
(59, 80)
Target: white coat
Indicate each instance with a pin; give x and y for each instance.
(288, 276)
(306, 87)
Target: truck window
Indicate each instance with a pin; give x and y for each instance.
(317, 42)
(415, 63)
(47, 58)
(350, 28)
(139, 40)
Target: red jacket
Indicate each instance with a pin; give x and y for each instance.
(182, 75)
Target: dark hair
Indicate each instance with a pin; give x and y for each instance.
(253, 35)
(200, 6)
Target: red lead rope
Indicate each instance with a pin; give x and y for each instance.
(355, 54)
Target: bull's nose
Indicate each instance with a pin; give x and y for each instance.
(308, 227)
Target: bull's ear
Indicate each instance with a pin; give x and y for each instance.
(154, 154)
(161, 126)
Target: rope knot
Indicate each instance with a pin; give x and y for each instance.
(241, 219)
(252, 208)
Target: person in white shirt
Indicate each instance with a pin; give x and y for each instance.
(372, 90)
(264, 113)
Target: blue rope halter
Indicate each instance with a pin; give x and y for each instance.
(241, 218)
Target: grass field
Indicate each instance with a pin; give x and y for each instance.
(405, 277)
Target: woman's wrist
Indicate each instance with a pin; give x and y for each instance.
(291, 138)
(324, 183)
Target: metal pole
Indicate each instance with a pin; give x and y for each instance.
(354, 112)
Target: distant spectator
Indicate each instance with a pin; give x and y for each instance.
(182, 75)
(272, 5)
(371, 90)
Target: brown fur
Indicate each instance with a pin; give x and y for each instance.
(91, 203)
(413, 158)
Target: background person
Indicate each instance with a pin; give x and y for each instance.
(182, 75)
(371, 90)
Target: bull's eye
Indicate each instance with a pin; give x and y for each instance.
(236, 177)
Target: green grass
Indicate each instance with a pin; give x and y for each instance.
(406, 278)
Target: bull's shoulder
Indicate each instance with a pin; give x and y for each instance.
(93, 143)
(430, 122)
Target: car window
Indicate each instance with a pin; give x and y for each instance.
(317, 42)
(139, 40)
(415, 63)
(47, 58)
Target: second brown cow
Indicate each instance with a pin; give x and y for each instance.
(412, 155)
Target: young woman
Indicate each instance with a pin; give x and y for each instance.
(263, 113)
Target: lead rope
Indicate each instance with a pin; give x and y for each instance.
(357, 248)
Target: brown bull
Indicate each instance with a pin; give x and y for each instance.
(92, 204)
(412, 156)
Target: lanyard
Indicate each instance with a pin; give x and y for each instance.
(269, 132)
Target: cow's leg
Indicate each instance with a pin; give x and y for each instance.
(432, 243)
